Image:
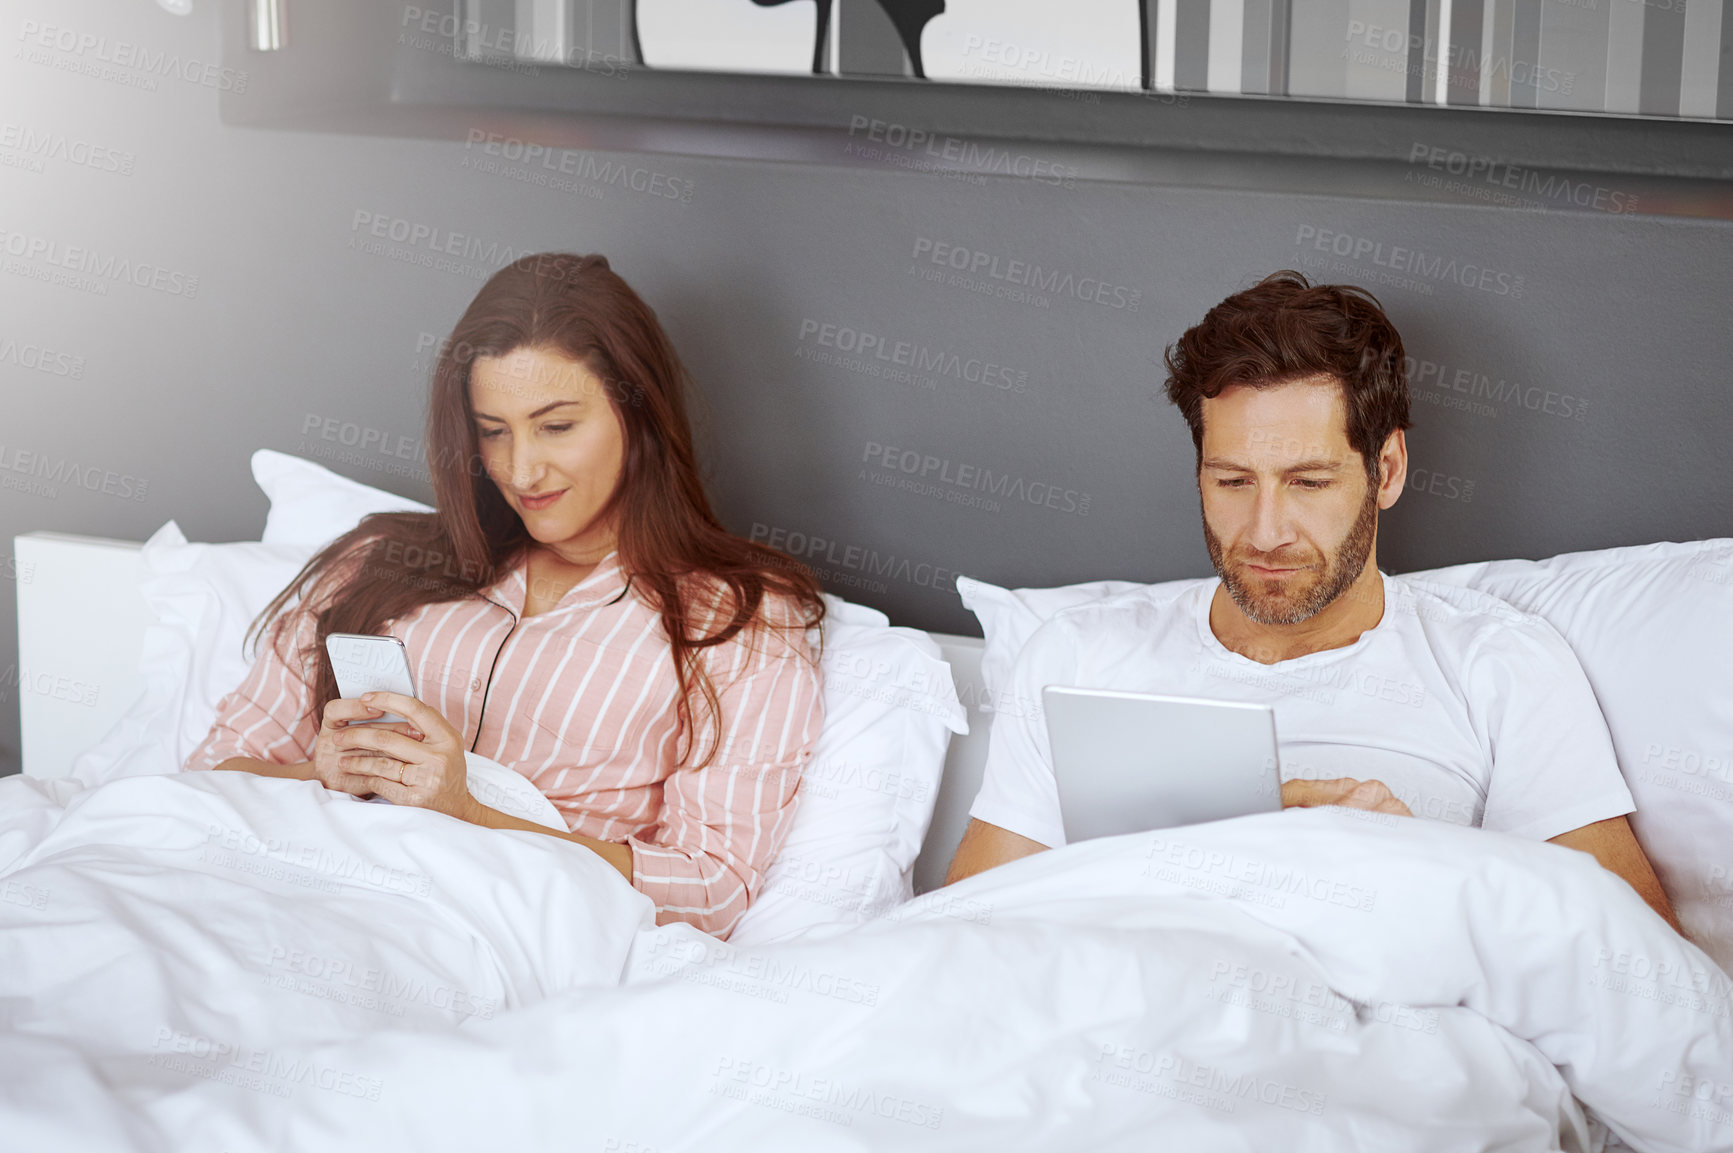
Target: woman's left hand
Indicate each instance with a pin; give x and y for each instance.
(430, 773)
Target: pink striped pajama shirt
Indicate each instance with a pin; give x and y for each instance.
(581, 700)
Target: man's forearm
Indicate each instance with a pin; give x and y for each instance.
(1648, 887)
(1612, 843)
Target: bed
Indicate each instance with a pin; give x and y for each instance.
(225, 962)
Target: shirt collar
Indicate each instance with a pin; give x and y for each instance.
(604, 584)
(1214, 647)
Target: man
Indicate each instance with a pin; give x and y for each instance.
(1390, 695)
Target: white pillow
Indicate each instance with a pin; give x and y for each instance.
(204, 597)
(509, 791)
(310, 504)
(867, 795)
(1653, 628)
(1009, 617)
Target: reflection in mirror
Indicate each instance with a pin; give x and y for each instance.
(1643, 57)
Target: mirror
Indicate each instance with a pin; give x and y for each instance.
(1660, 58)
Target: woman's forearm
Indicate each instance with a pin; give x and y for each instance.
(618, 856)
(300, 772)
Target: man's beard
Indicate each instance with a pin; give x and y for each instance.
(1331, 577)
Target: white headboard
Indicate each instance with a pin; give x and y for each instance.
(81, 625)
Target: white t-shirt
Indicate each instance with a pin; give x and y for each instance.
(1470, 711)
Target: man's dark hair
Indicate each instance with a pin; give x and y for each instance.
(1283, 329)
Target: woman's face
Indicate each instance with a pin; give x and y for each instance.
(553, 443)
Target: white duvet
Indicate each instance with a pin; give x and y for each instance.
(225, 962)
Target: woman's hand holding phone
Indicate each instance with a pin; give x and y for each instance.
(331, 745)
(419, 762)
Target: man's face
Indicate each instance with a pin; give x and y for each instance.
(1289, 514)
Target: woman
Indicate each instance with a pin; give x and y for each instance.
(573, 610)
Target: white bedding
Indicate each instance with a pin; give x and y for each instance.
(219, 961)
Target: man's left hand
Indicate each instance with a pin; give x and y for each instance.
(1346, 791)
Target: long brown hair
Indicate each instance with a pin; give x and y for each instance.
(672, 548)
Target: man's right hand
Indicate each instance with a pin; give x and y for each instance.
(986, 846)
(1346, 791)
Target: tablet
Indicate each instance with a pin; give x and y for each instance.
(1129, 762)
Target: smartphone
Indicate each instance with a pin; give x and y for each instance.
(365, 664)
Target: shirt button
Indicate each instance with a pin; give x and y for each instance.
(474, 686)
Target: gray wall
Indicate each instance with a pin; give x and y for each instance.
(1591, 346)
